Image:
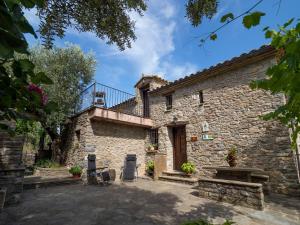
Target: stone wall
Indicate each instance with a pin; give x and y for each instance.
(11, 166)
(234, 192)
(109, 141)
(232, 110)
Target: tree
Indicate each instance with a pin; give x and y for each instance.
(109, 20)
(70, 70)
(20, 95)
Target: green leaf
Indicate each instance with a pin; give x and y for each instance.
(252, 19)
(28, 3)
(268, 34)
(213, 37)
(51, 107)
(288, 23)
(41, 78)
(227, 17)
(26, 65)
(265, 28)
(25, 27)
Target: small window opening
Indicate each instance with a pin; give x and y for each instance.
(153, 133)
(169, 102)
(78, 135)
(201, 100)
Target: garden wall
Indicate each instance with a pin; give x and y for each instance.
(234, 192)
(11, 166)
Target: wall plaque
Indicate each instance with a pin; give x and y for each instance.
(207, 137)
(194, 138)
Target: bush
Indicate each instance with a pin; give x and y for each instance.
(150, 166)
(75, 170)
(188, 168)
(47, 163)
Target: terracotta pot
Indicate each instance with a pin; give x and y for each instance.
(232, 163)
(76, 175)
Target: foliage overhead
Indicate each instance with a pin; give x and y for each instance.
(197, 9)
(109, 20)
(70, 70)
(17, 76)
(284, 76)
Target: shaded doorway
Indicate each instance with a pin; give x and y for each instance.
(179, 147)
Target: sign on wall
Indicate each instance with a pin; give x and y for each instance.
(207, 137)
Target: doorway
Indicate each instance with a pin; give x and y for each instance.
(179, 147)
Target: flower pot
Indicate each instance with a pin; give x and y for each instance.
(76, 176)
(232, 163)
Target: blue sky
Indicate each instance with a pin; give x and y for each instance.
(167, 45)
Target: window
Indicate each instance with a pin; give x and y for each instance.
(153, 133)
(78, 135)
(169, 102)
(201, 101)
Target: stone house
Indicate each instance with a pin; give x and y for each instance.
(197, 118)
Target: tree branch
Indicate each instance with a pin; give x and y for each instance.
(234, 19)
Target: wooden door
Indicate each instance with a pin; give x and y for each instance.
(180, 155)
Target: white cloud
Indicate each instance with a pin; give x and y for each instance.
(173, 71)
(155, 32)
(152, 51)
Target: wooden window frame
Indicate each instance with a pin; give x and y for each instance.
(169, 102)
(153, 136)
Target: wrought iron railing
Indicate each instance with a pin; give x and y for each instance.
(102, 96)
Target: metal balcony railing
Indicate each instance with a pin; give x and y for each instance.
(106, 97)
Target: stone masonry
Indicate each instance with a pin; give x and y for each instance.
(11, 167)
(235, 192)
(232, 110)
(109, 141)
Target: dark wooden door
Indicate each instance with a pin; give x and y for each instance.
(180, 155)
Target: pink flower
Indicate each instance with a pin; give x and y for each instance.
(38, 90)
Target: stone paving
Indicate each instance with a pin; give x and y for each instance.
(138, 203)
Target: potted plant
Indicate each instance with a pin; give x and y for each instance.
(189, 168)
(76, 171)
(152, 148)
(231, 157)
(150, 168)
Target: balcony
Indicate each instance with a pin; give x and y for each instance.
(110, 104)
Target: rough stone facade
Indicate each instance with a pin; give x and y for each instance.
(232, 110)
(11, 167)
(235, 192)
(110, 142)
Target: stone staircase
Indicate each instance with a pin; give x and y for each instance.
(178, 177)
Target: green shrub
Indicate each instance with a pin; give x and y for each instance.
(75, 170)
(188, 168)
(150, 166)
(47, 163)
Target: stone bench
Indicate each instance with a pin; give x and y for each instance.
(234, 192)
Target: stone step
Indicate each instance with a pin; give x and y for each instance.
(183, 180)
(175, 174)
(37, 182)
